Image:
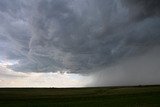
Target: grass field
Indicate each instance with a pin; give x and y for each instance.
(142, 96)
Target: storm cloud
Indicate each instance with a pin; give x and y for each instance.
(81, 36)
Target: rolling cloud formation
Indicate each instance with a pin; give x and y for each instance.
(81, 36)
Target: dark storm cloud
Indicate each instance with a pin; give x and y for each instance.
(80, 36)
(143, 8)
(84, 35)
(14, 32)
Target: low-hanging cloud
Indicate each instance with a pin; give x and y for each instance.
(79, 36)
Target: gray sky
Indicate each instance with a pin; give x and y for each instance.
(116, 39)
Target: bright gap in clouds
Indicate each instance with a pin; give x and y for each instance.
(10, 78)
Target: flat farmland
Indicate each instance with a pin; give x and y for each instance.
(135, 96)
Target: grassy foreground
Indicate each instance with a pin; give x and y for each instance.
(142, 96)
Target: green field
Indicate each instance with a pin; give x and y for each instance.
(140, 96)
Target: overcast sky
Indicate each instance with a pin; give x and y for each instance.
(61, 43)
